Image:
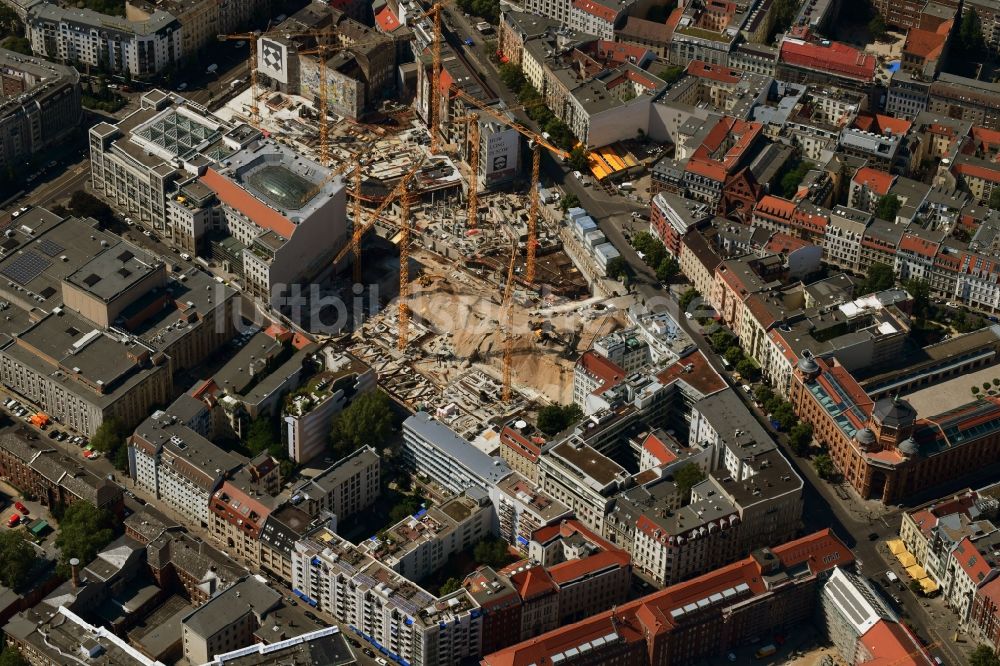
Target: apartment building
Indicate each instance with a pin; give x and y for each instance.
(583, 479)
(438, 452)
(385, 609)
(308, 413)
(344, 489)
(41, 106)
(672, 216)
(178, 466)
(420, 544)
(236, 518)
(141, 47)
(228, 620)
(730, 605)
(522, 508)
(521, 444)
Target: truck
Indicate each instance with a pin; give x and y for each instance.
(891, 577)
(765, 651)
(484, 28)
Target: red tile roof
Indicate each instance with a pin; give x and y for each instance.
(882, 124)
(650, 615)
(658, 449)
(924, 44)
(785, 244)
(386, 20)
(892, 645)
(705, 70)
(875, 180)
(533, 583)
(600, 367)
(236, 197)
(836, 58)
(705, 161)
(917, 245)
(595, 9)
(978, 171)
(975, 566)
(775, 208)
(695, 370)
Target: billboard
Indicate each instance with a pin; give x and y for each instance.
(272, 59)
(501, 156)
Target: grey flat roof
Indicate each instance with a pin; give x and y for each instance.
(227, 607)
(446, 440)
(114, 271)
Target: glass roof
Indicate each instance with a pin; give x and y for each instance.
(282, 187)
(176, 132)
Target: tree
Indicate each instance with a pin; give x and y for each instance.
(671, 74)
(763, 393)
(18, 557)
(970, 34)
(18, 44)
(733, 354)
(569, 201)
(85, 204)
(785, 416)
(262, 435)
(792, 177)
(722, 340)
(747, 369)
(83, 531)
(920, 290)
(687, 297)
(109, 437)
(975, 390)
(578, 159)
(800, 437)
(449, 586)
(984, 656)
(120, 458)
(887, 207)
(986, 386)
(11, 656)
(877, 27)
(823, 465)
(554, 419)
(667, 269)
(995, 198)
(366, 421)
(617, 269)
(915, 587)
(686, 478)
(407, 506)
(880, 277)
(492, 552)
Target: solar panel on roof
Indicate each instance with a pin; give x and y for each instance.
(25, 267)
(50, 247)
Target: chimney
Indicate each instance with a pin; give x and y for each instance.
(74, 565)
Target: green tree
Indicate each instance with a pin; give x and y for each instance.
(970, 34)
(823, 465)
(800, 437)
(671, 74)
(569, 201)
(887, 207)
(109, 437)
(880, 277)
(262, 435)
(449, 586)
(85, 204)
(733, 354)
(995, 198)
(578, 159)
(492, 552)
(877, 27)
(920, 290)
(792, 177)
(667, 269)
(686, 478)
(18, 557)
(120, 458)
(748, 369)
(554, 419)
(984, 655)
(975, 390)
(83, 531)
(407, 506)
(11, 656)
(18, 44)
(617, 269)
(785, 416)
(722, 340)
(366, 421)
(915, 587)
(784, 12)
(687, 297)
(763, 393)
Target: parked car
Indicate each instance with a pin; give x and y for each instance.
(14, 520)
(20, 507)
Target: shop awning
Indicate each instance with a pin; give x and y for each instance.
(928, 585)
(916, 572)
(906, 559)
(896, 546)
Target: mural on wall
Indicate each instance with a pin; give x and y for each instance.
(345, 96)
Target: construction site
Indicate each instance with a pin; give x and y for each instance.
(490, 313)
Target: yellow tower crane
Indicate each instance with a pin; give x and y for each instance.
(538, 142)
(472, 133)
(508, 325)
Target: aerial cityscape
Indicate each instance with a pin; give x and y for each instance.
(499, 332)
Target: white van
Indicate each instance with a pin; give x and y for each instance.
(185, 256)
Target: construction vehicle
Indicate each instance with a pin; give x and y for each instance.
(537, 142)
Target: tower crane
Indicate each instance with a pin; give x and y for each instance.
(508, 319)
(472, 122)
(403, 330)
(250, 38)
(401, 189)
(537, 143)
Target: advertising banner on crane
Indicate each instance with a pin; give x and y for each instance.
(501, 158)
(272, 59)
